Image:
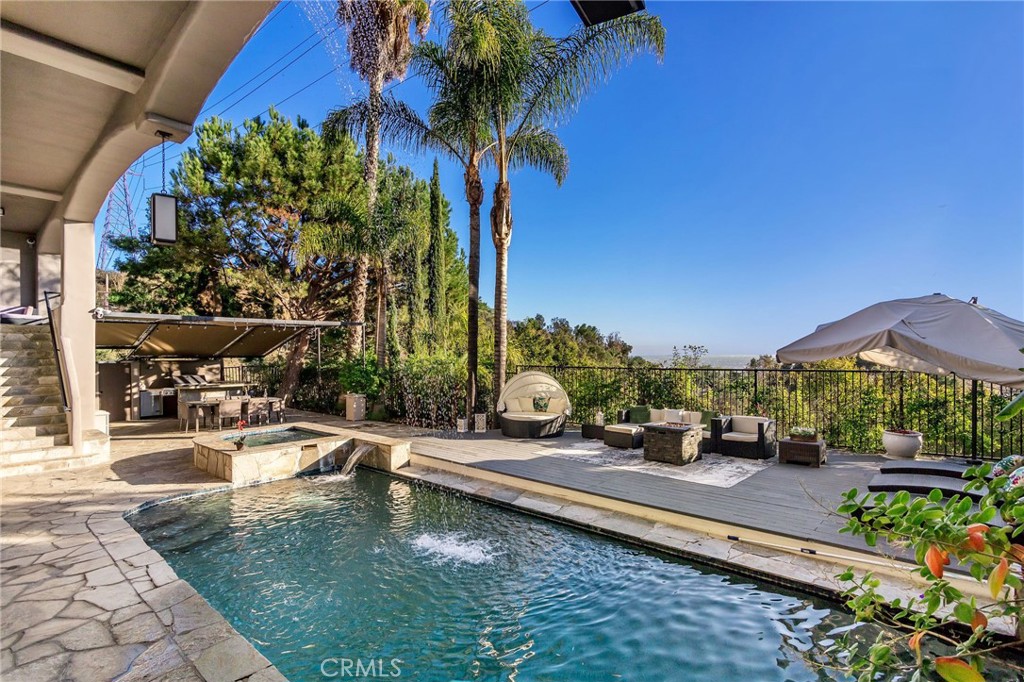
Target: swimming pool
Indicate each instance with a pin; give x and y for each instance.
(371, 569)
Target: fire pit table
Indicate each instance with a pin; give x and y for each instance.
(671, 442)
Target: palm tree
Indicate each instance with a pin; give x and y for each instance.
(456, 126)
(540, 81)
(380, 47)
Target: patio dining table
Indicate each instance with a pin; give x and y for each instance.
(214, 407)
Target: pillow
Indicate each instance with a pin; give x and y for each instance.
(540, 403)
(658, 415)
(692, 418)
(525, 404)
(747, 424)
(558, 405)
(512, 405)
(639, 414)
(1007, 465)
(673, 416)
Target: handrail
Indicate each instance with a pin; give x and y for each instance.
(56, 348)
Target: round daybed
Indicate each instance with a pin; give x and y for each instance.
(519, 402)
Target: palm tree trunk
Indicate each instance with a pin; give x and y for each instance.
(382, 314)
(357, 312)
(475, 197)
(501, 234)
(370, 175)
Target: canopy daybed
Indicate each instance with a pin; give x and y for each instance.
(533, 405)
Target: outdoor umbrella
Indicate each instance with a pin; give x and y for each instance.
(934, 334)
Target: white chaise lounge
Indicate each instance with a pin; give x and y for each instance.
(533, 405)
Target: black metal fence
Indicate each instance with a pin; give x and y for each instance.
(851, 408)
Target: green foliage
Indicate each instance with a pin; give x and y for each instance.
(437, 300)
(936, 530)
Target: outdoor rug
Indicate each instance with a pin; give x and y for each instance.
(712, 469)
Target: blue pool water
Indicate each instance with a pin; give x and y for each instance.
(275, 436)
(440, 588)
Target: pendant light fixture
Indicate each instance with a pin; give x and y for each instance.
(163, 207)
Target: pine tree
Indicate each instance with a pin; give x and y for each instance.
(436, 268)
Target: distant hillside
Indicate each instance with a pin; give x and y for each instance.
(718, 361)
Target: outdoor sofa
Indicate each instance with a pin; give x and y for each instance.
(744, 436)
(533, 405)
(628, 433)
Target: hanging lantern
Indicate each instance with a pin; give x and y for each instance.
(163, 207)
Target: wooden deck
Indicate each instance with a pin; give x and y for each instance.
(784, 499)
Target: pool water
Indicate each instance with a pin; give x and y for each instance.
(438, 588)
(285, 435)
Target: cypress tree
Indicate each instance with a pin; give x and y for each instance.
(436, 267)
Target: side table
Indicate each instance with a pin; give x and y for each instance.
(802, 452)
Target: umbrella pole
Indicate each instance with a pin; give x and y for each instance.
(974, 418)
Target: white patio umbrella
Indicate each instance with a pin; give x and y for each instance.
(934, 334)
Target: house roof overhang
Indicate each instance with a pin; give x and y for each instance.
(88, 86)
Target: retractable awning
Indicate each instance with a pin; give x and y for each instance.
(181, 336)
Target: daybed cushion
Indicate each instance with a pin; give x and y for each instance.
(673, 416)
(624, 428)
(747, 424)
(558, 405)
(740, 437)
(529, 416)
(658, 415)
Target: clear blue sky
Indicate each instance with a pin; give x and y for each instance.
(787, 164)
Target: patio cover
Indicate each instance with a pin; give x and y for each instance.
(934, 334)
(178, 336)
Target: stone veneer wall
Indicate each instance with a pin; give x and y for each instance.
(219, 457)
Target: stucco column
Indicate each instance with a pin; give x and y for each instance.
(48, 267)
(77, 326)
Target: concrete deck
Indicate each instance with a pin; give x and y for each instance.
(84, 598)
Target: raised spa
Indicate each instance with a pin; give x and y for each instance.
(318, 570)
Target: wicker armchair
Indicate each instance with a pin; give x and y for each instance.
(744, 436)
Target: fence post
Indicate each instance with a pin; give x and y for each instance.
(756, 401)
(974, 418)
(902, 415)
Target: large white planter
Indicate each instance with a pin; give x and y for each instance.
(902, 445)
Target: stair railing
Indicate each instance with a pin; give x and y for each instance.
(55, 339)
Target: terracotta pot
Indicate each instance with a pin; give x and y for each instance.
(902, 445)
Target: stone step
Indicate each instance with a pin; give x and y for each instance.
(15, 330)
(34, 431)
(29, 389)
(28, 372)
(23, 400)
(16, 446)
(29, 358)
(53, 463)
(16, 422)
(31, 411)
(13, 381)
(35, 341)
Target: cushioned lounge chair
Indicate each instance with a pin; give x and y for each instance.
(743, 436)
(533, 405)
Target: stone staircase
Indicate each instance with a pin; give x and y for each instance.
(34, 435)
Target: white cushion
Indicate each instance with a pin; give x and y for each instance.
(528, 416)
(740, 437)
(747, 424)
(526, 404)
(557, 405)
(624, 428)
(673, 415)
(705, 434)
(657, 415)
(691, 417)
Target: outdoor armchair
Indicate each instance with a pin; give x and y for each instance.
(744, 436)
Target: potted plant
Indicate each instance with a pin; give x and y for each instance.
(902, 443)
(239, 440)
(804, 434)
